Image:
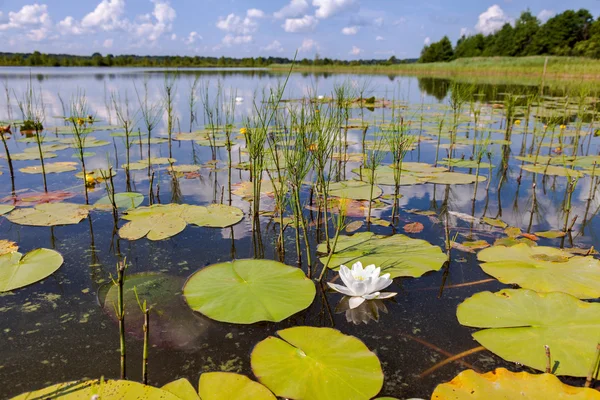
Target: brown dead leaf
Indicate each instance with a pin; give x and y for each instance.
(415, 227)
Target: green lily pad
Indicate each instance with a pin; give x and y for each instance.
(551, 234)
(182, 388)
(18, 270)
(461, 163)
(105, 390)
(123, 201)
(50, 168)
(498, 223)
(143, 164)
(248, 291)
(213, 216)
(354, 190)
(318, 364)
(513, 241)
(184, 168)
(49, 214)
(503, 384)
(227, 385)
(543, 269)
(5, 208)
(28, 156)
(521, 322)
(552, 170)
(398, 255)
(161, 221)
(455, 178)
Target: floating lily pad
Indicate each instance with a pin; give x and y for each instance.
(354, 190)
(544, 269)
(213, 216)
(105, 390)
(4, 208)
(143, 164)
(18, 270)
(227, 385)
(182, 388)
(551, 234)
(172, 323)
(498, 223)
(248, 291)
(461, 163)
(184, 168)
(28, 156)
(398, 255)
(503, 384)
(552, 170)
(455, 178)
(123, 201)
(513, 241)
(50, 168)
(318, 364)
(522, 322)
(50, 214)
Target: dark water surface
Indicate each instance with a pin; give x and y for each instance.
(57, 330)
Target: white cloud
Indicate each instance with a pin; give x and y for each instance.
(192, 38)
(464, 32)
(491, 20)
(427, 41)
(295, 9)
(106, 16)
(329, 8)
(230, 40)
(304, 24)
(379, 38)
(174, 36)
(237, 25)
(107, 43)
(399, 21)
(27, 17)
(70, 26)
(308, 45)
(149, 30)
(545, 15)
(350, 30)
(378, 22)
(255, 13)
(356, 51)
(274, 46)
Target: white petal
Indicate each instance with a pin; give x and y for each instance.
(341, 289)
(359, 288)
(346, 276)
(386, 295)
(355, 302)
(381, 284)
(370, 269)
(357, 267)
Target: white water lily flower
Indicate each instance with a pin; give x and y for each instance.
(362, 284)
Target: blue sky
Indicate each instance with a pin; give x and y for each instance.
(344, 29)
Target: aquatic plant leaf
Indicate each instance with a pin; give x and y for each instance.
(543, 269)
(143, 164)
(112, 389)
(498, 223)
(552, 170)
(318, 364)
(18, 270)
(521, 322)
(414, 227)
(512, 241)
(172, 324)
(398, 255)
(5, 208)
(354, 226)
(7, 246)
(29, 199)
(28, 156)
(214, 216)
(123, 201)
(155, 226)
(182, 388)
(504, 384)
(49, 214)
(227, 385)
(551, 234)
(184, 168)
(455, 178)
(248, 291)
(50, 168)
(461, 163)
(354, 190)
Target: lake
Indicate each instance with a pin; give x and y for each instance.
(61, 328)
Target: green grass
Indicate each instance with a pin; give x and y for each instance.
(558, 67)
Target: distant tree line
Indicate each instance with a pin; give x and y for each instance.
(571, 33)
(37, 59)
